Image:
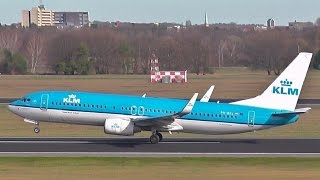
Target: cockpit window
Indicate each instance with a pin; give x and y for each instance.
(25, 99)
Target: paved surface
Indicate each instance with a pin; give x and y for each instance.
(169, 147)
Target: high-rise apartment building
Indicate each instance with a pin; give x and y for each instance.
(71, 19)
(40, 16)
(25, 21)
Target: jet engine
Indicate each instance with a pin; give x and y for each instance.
(120, 127)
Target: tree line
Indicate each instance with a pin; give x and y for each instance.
(110, 50)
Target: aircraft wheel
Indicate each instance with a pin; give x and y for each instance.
(160, 136)
(36, 130)
(154, 139)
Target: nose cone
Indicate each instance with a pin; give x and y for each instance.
(13, 108)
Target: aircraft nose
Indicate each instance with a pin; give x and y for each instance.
(14, 109)
(11, 108)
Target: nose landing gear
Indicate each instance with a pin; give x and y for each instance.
(36, 130)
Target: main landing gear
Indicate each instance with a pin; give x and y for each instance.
(156, 137)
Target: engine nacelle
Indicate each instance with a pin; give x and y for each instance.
(120, 127)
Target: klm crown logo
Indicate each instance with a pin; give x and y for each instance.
(285, 88)
(72, 96)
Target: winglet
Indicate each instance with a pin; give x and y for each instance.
(144, 95)
(188, 108)
(208, 94)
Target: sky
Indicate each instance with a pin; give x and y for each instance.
(219, 11)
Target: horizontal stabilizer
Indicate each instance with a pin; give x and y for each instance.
(295, 112)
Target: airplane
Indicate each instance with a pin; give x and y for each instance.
(126, 115)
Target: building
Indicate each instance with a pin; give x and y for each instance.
(25, 21)
(300, 25)
(44, 17)
(40, 16)
(71, 19)
(271, 24)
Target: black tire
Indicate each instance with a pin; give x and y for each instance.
(160, 136)
(154, 139)
(36, 130)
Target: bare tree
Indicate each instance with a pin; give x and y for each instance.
(10, 39)
(35, 50)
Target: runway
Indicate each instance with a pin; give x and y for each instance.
(169, 147)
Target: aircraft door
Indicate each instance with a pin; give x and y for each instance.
(251, 118)
(133, 110)
(44, 102)
(141, 111)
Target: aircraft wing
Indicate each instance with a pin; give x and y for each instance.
(208, 94)
(169, 119)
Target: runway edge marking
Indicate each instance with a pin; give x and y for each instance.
(151, 154)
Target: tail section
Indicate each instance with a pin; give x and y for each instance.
(284, 92)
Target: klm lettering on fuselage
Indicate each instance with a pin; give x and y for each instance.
(285, 89)
(71, 99)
